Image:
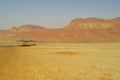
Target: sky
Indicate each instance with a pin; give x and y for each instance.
(54, 13)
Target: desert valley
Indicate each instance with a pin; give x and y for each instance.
(85, 49)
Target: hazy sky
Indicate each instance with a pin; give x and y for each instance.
(54, 13)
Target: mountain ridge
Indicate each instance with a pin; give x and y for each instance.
(94, 22)
(78, 30)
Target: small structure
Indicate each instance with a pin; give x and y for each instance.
(26, 42)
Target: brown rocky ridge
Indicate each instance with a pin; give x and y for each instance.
(78, 30)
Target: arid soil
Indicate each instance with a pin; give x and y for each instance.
(61, 61)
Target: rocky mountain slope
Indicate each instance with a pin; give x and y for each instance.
(78, 30)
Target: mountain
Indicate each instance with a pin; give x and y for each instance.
(78, 30)
(97, 23)
(26, 28)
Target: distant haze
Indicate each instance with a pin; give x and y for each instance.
(54, 13)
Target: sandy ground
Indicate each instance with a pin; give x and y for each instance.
(61, 61)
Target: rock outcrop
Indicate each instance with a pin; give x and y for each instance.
(79, 30)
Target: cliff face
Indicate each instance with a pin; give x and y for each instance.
(94, 23)
(79, 30)
(95, 29)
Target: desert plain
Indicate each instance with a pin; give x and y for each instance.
(61, 61)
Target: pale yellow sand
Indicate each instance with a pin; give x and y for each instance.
(61, 61)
